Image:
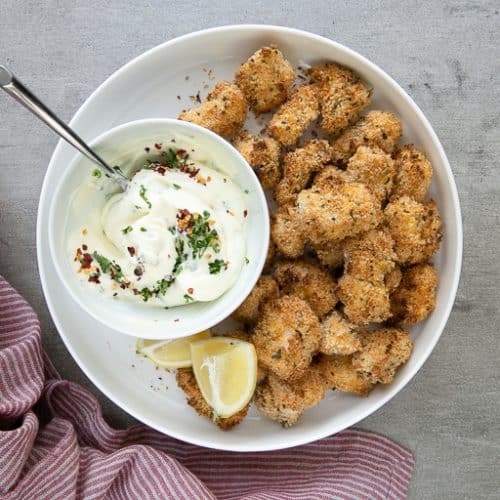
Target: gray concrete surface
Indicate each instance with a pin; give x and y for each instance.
(444, 53)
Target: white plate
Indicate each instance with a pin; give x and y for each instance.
(148, 87)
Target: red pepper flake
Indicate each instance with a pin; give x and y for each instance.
(123, 286)
(181, 153)
(245, 213)
(190, 291)
(78, 254)
(85, 247)
(209, 178)
(86, 260)
(131, 251)
(158, 146)
(94, 278)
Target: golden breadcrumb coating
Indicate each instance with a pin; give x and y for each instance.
(415, 297)
(364, 301)
(331, 216)
(383, 352)
(266, 79)
(224, 110)
(286, 337)
(414, 173)
(369, 256)
(415, 228)
(373, 167)
(393, 279)
(285, 402)
(342, 96)
(286, 232)
(298, 166)
(187, 382)
(330, 254)
(339, 373)
(264, 290)
(339, 335)
(329, 178)
(294, 116)
(271, 252)
(262, 154)
(310, 282)
(377, 128)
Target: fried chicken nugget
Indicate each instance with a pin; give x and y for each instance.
(377, 128)
(342, 96)
(224, 110)
(364, 301)
(370, 256)
(415, 228)
(265, 289)
(331, 216)
(373, 167)
(187, 382)
(339, 335)
(338, 373)
(285, 402)
(286, 337)
(415, 298)
(294, 116)
(298, 166)
(383, 352)
(414, 173)
(286, 232)
(308, 281)
(329, 178)
(262, 154)
(265, 79)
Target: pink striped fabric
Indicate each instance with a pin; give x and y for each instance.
(55, 444)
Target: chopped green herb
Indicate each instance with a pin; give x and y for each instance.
(104, 263)
(146, 294)
(172, 230)
(216, 266)
(201, 237)
(247, 260)
(143, 229)
(225, 180)
(176, 186)
(181, 257)
(96, 173)
(127, 229)
(137, 207)
(246, 191)
(163, 285)
(172, 160)
(142, 193)
(116, 168)
(188, 298)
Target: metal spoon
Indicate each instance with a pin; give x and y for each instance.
(18, 91)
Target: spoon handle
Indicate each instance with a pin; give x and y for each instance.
(18, 91)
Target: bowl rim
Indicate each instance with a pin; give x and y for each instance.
(256, 266)
(309, 436)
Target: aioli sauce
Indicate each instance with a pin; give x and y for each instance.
(175, 236)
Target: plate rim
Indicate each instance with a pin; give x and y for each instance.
(403, 381)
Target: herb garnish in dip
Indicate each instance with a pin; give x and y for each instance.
(175, 236)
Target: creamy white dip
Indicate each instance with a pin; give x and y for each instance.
(175, 236)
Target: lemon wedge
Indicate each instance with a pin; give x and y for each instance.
(226, 373)
(170, 353)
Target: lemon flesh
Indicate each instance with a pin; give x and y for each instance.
(226, 373)
(170, 353)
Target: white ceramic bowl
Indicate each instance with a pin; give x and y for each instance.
(125, 144)
(108, 358)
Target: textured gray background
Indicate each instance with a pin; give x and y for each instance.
(444, 53)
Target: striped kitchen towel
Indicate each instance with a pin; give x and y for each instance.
(55, 444)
